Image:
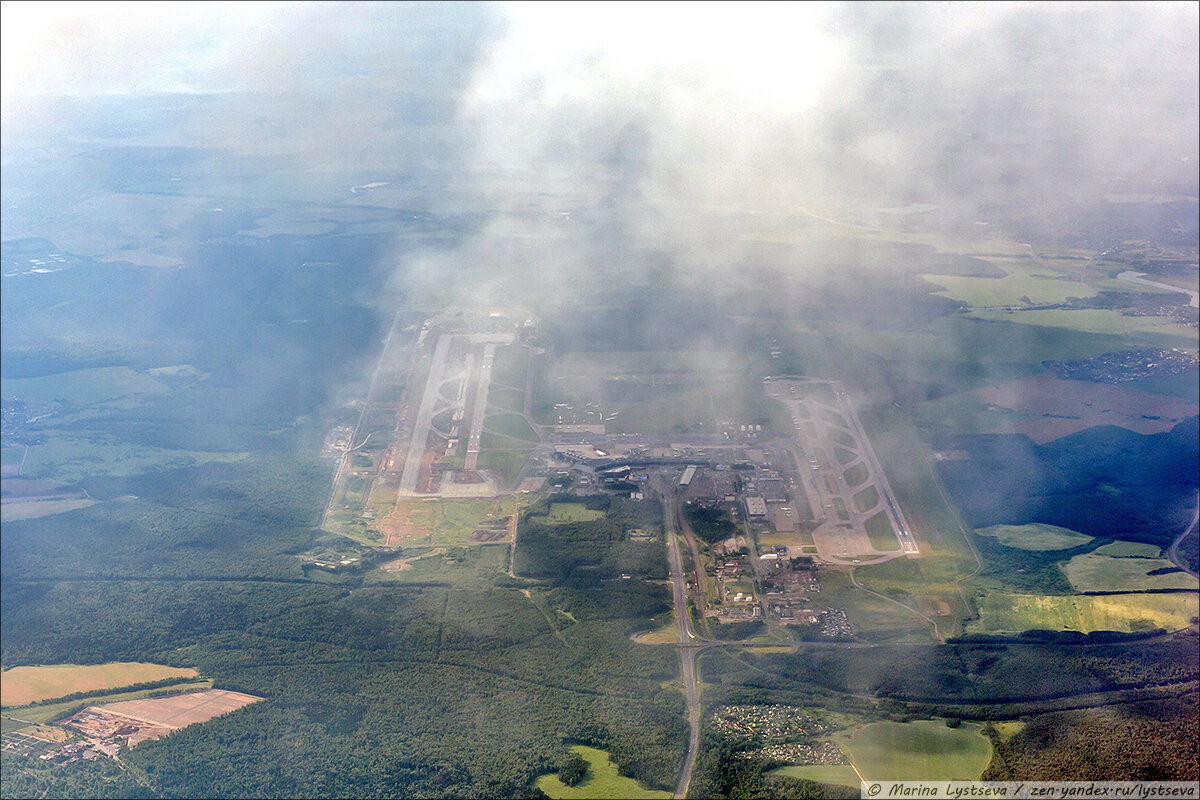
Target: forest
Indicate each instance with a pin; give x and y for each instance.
(412, 687)
(1104, 481)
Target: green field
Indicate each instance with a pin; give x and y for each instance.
(1090, 572)
(11, 456)
(505, 399)
(1155, 331)
(1035, 536)
(919, 751)
(573, 512)
(867, 499)
(1128, 550)
(1128, 613)
(450, 521)
(843, 455)
(1025, 279)
(837, 774)
(842, 438)
(507, 462)
(22, 685)
(966, 413)
(881, 533)
(510, 365)
(602, 781)
(511, 425)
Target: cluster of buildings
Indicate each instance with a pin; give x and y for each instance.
(771, 722)
(1130, 365)
(802, 753)
(87, 751)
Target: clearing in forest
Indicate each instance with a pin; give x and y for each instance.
(23, 685)
(925, 750)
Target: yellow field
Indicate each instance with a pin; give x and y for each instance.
(1127, 613)
(11, 512)
(22, 685)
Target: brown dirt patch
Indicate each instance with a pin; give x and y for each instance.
(480, 535)
(1062, 407)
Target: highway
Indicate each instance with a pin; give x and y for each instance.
(687, 653)
(1173, 553)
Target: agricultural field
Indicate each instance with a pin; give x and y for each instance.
(1026, 282)
(1034, 536)
(1125, 613)
(1046, 407)
(54, 711)
(1090, 572)
(22, 685)
(836, 774)
(602, 781)
(1128, 550)
(1154, 331)
(917, 751)
(32, 509)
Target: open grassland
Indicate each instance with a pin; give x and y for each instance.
(573, 512)
(856, 475)
(601, 781)
(1034, 536)
(1126, 613)
(506, 462)
(868, 613)
(1099, 573)
(502, 398)
(437, 521)
(1026, 282)
(22, 685)
(1155, 331)
(967, 413)
(32, 509)
(1128, 550)
(837, 774)
(509, 365)
(881, 533)
(11, 456)
(918, 751)
(510, 425)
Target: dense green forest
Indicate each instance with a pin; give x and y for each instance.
(1104, 481)
(1139, 741)
(426, 685)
